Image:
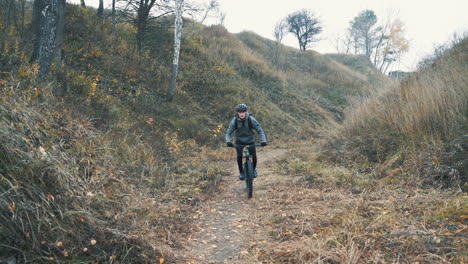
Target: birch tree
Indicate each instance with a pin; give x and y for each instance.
(177, 40)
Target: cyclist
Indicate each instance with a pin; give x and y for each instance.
(243, 123)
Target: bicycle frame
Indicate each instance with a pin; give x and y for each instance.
(248, 168)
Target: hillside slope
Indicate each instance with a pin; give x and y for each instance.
(334, 78)
(414, 132)
(95, 167)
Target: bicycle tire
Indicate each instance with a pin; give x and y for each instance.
(249, 176)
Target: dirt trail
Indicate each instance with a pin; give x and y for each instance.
(333, 216)
(223, 236)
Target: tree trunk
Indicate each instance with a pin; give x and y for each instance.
(6, 25)
(57, 57)
(276, 55)
(46, 20)
(100, 11)
(140, 35)
(113, 19)
(177, 39)
(23, 8)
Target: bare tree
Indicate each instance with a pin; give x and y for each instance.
(221, 18)
(47, 18)
(204, 10)
(139, 13)
(177, 39)
(280, 30)
(305, 25)
(344, 44)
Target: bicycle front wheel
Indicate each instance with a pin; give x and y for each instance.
(249, 176)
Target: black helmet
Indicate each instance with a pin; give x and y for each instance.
(241, 108)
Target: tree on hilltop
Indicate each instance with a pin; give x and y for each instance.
(363, 32)
(382, 43)
(305, 25)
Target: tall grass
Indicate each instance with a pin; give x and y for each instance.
(73, 194)
(419, 124)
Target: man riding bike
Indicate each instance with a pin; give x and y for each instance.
(243, 123)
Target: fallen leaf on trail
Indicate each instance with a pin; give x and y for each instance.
(244, 252)
(59, 244)
(93, 242)
(65, 254)
(12, 206)
(150, 121)
(161, 260)
(84, 249)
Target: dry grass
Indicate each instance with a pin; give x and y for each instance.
(71, 193)
(419, 125)
(301, 219)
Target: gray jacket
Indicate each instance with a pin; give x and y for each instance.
(243, 133)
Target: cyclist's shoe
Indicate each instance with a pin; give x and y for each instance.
(255, 174)
(242, 176)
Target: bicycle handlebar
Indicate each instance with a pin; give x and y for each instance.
(257, 145)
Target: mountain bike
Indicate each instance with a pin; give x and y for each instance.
(248, 168)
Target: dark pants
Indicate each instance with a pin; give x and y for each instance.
(252, 151)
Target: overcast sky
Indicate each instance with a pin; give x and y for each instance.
(427, 22)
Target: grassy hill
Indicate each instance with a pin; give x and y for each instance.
(414, 132)
(95, 167)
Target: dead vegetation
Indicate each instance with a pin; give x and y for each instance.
(415, 131)
(302, 216)
(71, 193)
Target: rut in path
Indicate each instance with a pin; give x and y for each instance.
(222, 235)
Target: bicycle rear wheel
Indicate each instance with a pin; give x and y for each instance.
(249, 176)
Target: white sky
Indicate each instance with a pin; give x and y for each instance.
(427, 22)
